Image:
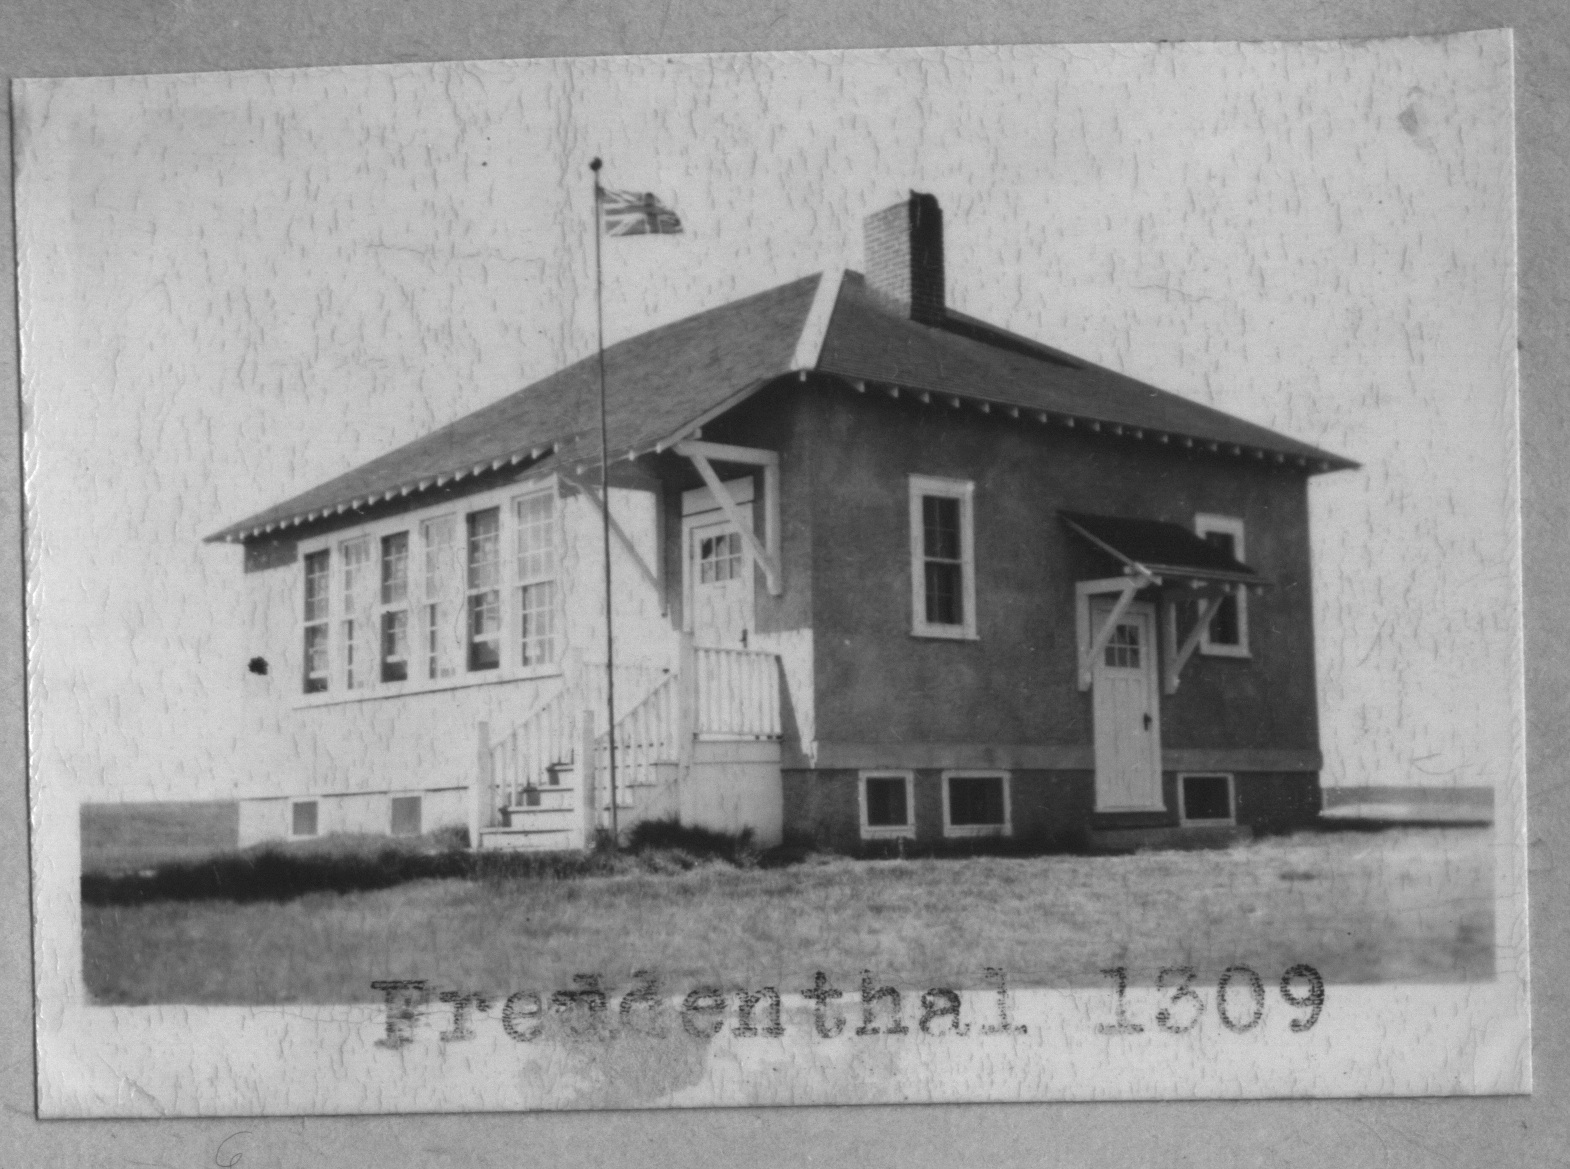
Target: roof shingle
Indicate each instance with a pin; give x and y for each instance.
(671, 378)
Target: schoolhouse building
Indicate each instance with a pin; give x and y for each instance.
(879, 571)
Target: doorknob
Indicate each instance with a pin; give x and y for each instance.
(1147, 720)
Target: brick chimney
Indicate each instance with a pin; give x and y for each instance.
(904, 246)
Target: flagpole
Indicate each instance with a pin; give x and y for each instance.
(605, 506)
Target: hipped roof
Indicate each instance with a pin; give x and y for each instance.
(662, 384)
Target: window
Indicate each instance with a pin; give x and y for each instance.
(484, 593)
(942, 558)
(719, 558)
(316, 621)
(395, 607)
(888, 806)
(1206, 799)
(434, 599)
(1228, 632)
(356, 557)
(302, 818)
(405, 816)
(536, 537)
(1123, 648)
(976, 803)
(439, 536)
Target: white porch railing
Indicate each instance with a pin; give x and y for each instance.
(527, 755)
(738, 693)
(730, 693)
(647, 735)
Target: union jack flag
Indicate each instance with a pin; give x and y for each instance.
(637, 213)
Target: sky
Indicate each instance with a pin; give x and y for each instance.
(235, 286)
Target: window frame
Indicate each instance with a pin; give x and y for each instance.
(963, 490)
(1205, 523)
(473, 593)
(906, 831)
(355, 675)
(386, 608)
(1005, 829)
(322, 621)
(517, 583)
(431, 651)
(418, 599)
(1184, 819)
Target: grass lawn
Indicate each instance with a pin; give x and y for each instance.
(1412, 904)
(126, 837)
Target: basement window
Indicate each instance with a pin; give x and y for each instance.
(942, 558)
(888, 806)
(1206, 798)
(405, 815)
(302, 818)
(976, 803)
(1227, 635)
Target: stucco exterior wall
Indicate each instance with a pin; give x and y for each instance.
(1016, 684)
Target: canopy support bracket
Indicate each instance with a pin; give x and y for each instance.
(767, 551)
(1177, 657)
(1092, 642)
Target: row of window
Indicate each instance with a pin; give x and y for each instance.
(403, 816)
(976, 803)
(450, 594)
(943, 566)
(477, 591)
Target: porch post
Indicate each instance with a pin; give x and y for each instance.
(586, 794)
(479, 804)
(686, 701)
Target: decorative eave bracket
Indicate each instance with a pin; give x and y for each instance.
(767, 551)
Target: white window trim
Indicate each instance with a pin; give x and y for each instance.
(1205, 522)
(964, 491)
(410, 521)
(907, 830)
(1182, 801)
(289, 832)
(1005, 829)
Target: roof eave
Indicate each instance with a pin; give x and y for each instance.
(254, 527)
(1316, 463)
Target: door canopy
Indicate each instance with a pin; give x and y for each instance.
(1159, 555)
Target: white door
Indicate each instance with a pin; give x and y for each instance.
(1127, 712)
(719, 579)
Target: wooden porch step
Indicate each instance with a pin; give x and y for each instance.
(1191, 836)
(530, 839)
(539, 819)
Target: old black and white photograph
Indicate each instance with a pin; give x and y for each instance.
(879, 576)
